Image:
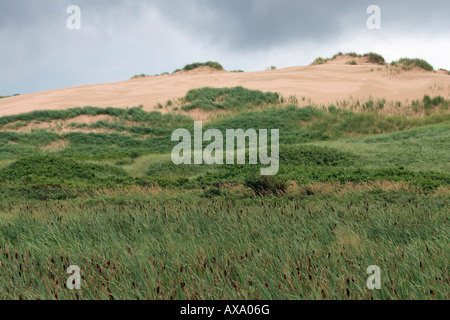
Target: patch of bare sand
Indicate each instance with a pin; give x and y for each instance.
(319, 84)
(60, 125)
(56, 146)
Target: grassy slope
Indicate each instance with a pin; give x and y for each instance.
(140, 227)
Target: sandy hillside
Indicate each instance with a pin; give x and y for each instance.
(321, 84)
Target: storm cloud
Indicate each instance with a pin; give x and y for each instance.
(120, 38)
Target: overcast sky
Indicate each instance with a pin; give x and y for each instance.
(120, 38)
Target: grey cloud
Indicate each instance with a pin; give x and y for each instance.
(123, 37)
(253, 24)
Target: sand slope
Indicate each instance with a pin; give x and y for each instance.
(321, 84)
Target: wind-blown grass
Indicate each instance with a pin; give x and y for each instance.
(353, 190)
(136, 246)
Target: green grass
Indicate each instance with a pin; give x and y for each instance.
(408, 64)
(142, 75)
(353, 190)
(370, 57)
(169, 247)
(195, 65)
(405, 63)
(374, 58)
(209, 99)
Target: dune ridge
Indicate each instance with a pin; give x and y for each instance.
(335, 80)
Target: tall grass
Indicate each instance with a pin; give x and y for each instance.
(164, 247)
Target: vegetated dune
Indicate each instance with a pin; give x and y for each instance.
(342, 78)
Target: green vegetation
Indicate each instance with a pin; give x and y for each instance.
(135, 245)
(227, 99)
(142, 75)
(407, 64)
(353, 190)
(374, 58)
(352, 62)
(211, 64)
(14, 95)
(319, 61)
(370, 57)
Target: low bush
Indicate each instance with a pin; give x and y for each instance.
(267, 185)
(408, 64)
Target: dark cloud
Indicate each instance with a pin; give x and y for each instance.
(119, 37)
(250, 24)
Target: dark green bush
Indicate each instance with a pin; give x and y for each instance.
(266, 185)
(375, 58)
(211, 64)
(313, 155)
(56, 169)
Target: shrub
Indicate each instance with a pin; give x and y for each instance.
(315, 156)
(142, 75)
(266, 185)
(319, 61)
(332, 109)
(374, 58)
(14, 95)
(408, 64)
(370, 57)
(212, 192)
(211, 64)
(57, 169)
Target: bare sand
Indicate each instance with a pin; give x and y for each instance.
(320, 84)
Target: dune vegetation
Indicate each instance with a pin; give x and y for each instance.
(369, 57)
(404, 64)
(196, 65)
(355, 188)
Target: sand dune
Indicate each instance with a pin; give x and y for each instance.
(320, 84)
